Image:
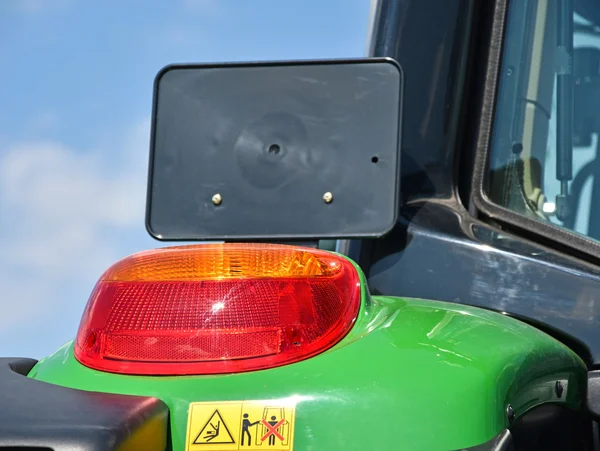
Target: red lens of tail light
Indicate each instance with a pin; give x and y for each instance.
(217, 308)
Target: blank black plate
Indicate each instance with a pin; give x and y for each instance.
(271, 139)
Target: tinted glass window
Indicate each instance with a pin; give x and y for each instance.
(544, 162)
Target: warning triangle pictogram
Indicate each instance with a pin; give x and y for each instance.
(214, 432)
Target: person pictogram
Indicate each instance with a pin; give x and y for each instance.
(272, 432)
(246, 425)
(273, 423)
(211, 435)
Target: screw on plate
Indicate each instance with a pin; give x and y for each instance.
(558, 388)
(217, 199)
(510, 413)
(328, 197)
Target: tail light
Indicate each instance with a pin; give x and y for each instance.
(217, 308)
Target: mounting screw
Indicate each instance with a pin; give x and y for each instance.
(558, 388)
(510, 413)
(217, 199)
(328, 197)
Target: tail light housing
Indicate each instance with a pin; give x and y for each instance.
(217, 308)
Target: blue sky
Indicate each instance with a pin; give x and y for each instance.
(76, 94)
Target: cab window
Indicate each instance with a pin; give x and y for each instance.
(544, 160)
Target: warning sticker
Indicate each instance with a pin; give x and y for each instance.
(241, 425)
(212, 433)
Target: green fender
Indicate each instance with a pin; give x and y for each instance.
(412, 374)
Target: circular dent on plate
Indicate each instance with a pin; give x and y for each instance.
(271, 150)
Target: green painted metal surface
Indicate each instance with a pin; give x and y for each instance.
(412, 374)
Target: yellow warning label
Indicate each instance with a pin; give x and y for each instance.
(241, 425)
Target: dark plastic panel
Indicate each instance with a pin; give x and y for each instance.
(38, 415)
(271, 139)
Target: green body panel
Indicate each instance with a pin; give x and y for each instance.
(412, 374)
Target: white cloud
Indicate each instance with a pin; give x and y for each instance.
(62, 212)
(58, 183)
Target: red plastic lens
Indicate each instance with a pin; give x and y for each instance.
(217, 308)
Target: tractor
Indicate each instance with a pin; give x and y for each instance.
(392, 252)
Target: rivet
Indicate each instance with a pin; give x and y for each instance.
(558, 388)
(328, 197)
(217, 199)
(510, 413)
